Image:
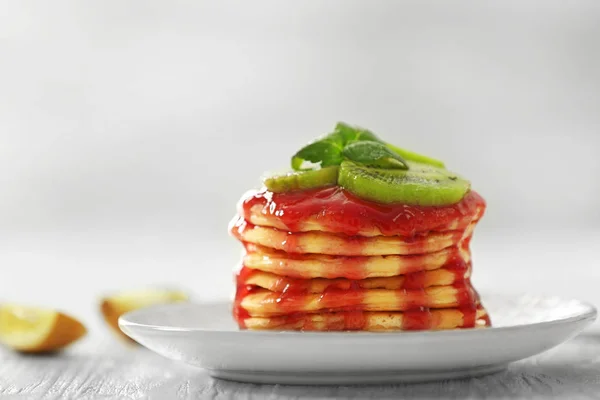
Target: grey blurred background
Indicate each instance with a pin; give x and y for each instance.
(129, 129)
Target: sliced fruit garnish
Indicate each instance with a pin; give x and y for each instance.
(115, 305)
(421, 184)
(37, 330)
(355, 158)
(302, 180)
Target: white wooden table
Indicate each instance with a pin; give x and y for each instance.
(101, 367)
(110, 371)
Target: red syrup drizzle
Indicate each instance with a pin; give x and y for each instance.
(411, 281)
(242, 290)
(290, 245)
(421, 318)
(469, 310)
(353, 299)
(290, 299)
(468, 306)
(349, 267)
(352, 317)
(416, 244)
(417, 319)
(340, 211)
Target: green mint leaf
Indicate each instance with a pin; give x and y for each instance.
(374, 154)
(350, 134)
(324, 152)
(327, 150)
(344, 133)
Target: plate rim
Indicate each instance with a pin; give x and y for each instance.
(590, 313)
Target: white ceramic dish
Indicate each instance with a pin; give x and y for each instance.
(205, 335)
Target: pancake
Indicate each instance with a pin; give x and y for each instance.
(257, 215)
(343, 245)
(335, 210)
(412, 281)
(325, 260)
(351, 267)
(264, 303)
(448, 318)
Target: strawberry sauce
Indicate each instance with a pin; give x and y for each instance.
(339, 211)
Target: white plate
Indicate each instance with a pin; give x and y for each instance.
(205, 335)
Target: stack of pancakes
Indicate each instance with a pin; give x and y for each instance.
(305, 269)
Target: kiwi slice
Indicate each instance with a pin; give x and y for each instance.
(421, 184)
(302, 180)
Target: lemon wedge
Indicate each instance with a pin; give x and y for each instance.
(37, 330)
(112, 307)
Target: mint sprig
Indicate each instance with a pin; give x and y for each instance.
(347, 142)
(326, 152)
(349, 134)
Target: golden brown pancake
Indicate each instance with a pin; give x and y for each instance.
(352, 267)
(335, 210)
(448, 318)
(338, 244)
(264, 303)
(256, 215)
(412, 281)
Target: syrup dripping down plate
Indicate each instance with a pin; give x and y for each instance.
(205, 335)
